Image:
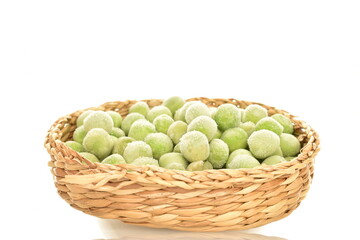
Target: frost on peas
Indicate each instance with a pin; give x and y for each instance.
(269, 124)
(174, 103)
(75, 146)
(89, 156)
(194, 146)
(285, 122)
(140, 107)
(199, 166)
(227, 116)
(219, 153)
(235, 138)
(238, 152)
(129, 120)
(263, 143)
(176, 130)
(135, 150)
(140, 129)
(114, 159)
(218, 134)
(117, 132)
(116, 117)
(79, 134)
(157, 111)
(213, 111)
(145, 161)
(203, 124)
(196, 110)
(180, 113)
(98, 119)
(249, 127)
(254, 113)
(120, 144)
(98, 142)
(290, 145)
(159, 143)
(162, 123)
(80, 119)
(273, 160)
(177, 148)
(242, 161)
(173, 158)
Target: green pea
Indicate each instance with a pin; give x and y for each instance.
(75, 146)
(263, 143)
(114, 159)
(273, 160)
(79, 134)
(145, 161)
(203, 124)
(117, 132)
(89, 156)
(290, 145)
(135, 150)
(194, 146)
(196, 110)
(269, 124)
(285, 122)
(116, 117)
(82, 116)
(242, 161)
(98, 142)
(140, 129)
(254, 113)
(157, 111)
(98, 119)
(176, 130)
(219, 153)
(174, 103)
(129, 120)
(163, 122)
(160, 144)
(121, 143)
(235, 138)
(227, 116)
(140, 107)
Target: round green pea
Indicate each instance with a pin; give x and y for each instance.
(176, 130)
(196, 110)
(290, 145)
(173, 158)
(269, 124)
(199, 166)
(82, 116)
(114, 159)
(194, 146)
(263, 143)
(157, 111)
(235, 138)
(160, 144)
(285, 122)
(177, 148)
(254, 113)
(219, 153)
(79, 134)
(98, 142)
(140, 129)
(249, 127)
(203, 124)
(273, 160)
(238, 152)
(180, 113)
(121, 143)
(175, 166)
(75, 146)
(129, 120)
(163, 122)
(117, 132)
(242, 161)
(145, 161)
(140, 107)
(116, 117)
(227, 116)
(98, 119)
(174, 103)
(135, 150)
(89, 156)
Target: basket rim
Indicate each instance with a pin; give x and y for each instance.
(307, 152)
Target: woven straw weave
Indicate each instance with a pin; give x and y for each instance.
(211, 200)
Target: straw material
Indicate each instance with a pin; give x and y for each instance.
(211, 200)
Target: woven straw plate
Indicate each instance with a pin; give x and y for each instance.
(211, 200)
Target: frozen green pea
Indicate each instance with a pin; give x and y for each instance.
(218, 134)
(219, 153)
(180, 113)
(98, 142)
(117, 132)
(129, 120)
(263, 143)
(203, 124)
(254, 113)
(116, 117)
(114, 139)
(80, 119)
(140, 107)
(114, 159)
(227, 116)
(242, 161)
(269, 124)
(140, 129)
(285, 122)
(79, 134)
(175, 166)
(235, 138)
(135, 150)
(98, 119)
(238, 152)
(199, 166)
(145, 161)
(160, 144)
(213, 111)
(163, 122)
(89, 156)
(290, 145)
(157, 111)
(75, 146)
(289, 158)
(249, 127)
(273, 160)
(176, 130)
(196, 110)
(174, 103)
(121, 143)
(173, 158)
(177, 148)
(278, 152)
(194, 146)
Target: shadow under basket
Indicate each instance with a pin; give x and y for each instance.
(210, 200)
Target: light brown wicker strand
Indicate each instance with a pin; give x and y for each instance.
(212, 200)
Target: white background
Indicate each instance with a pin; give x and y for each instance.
(57, 57)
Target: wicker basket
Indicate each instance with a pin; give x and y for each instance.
(211, 200)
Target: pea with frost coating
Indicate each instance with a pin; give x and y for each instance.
(137, 149)
(194, 146)
(263, 143)
(140, 107)
(79, 134)
(114, 159)
(174, 103)
(285, 122)
(254, 113)
(203, 124)
(290, 145)
(242, 161)
(196, 110)
(235, 138)
(75, 146)
(120, 144)
(140, 129)
(98, 142)
(219, 153)
(160, 144)
(227, 116)
(80, 119)
(129, 120)
(157, 111)
(98, 119)
(273, 160)
(176, 130)
(269, 124)
(163, 122)
(199, 166)
(116, 117)
(145, 161)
